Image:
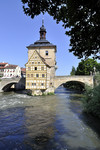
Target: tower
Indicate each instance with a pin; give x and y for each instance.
(41, 65)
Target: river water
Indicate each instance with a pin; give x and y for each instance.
(46, 122)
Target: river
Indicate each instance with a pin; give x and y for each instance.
(53, 122)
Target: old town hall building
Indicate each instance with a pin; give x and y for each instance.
(41, 65)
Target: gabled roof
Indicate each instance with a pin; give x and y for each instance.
(43, 60)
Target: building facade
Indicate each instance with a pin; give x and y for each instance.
(41, 65)
(12, 71)
(2, 67)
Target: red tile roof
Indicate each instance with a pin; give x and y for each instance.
(23, 69)
(11, 67)
(2, 65)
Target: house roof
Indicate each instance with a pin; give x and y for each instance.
(41, 43)
(23, 69)
(2, 65)
(43, 60)
(11, 67)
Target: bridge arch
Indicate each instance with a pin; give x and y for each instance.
(61, 83)
(6, 83)
(76, 85)
(7, 86)
(84, 80)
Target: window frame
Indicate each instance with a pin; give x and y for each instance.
(46, 53)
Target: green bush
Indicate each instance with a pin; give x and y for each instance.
(51, 93)
(91, 100)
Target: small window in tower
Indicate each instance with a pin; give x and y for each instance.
(46, 53)
(42, 68)
(35, 68)
(43, 75)
(37, 75)
(42, 35)
(42, 84)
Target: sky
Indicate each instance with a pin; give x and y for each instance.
(17, 31)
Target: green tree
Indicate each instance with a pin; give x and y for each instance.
(81, 17)
(86, 67)
(91, 101)
(98, 67)
(73, 71)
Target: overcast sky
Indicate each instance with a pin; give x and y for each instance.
(18, 31)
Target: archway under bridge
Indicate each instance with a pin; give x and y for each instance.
(85, 80)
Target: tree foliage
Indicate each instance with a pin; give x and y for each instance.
(81, 17)
(91, 101)
(86, 67)
(73, 71)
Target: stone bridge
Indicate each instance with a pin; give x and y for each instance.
(19, 83)
(6, 83)
(86, 80)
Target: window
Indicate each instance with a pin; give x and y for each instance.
(43, 75)
(42, 68)
(33, 84)
(31, 75)
(29, 68)
(42, 84)
(35, 68)
(38, 62)
(28, 75)
(32, 62)
(37, 75)
(27, 84)
(46, 53)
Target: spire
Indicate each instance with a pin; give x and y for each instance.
(42, 22)
(42, 31)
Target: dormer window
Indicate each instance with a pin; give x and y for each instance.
(46, 53)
